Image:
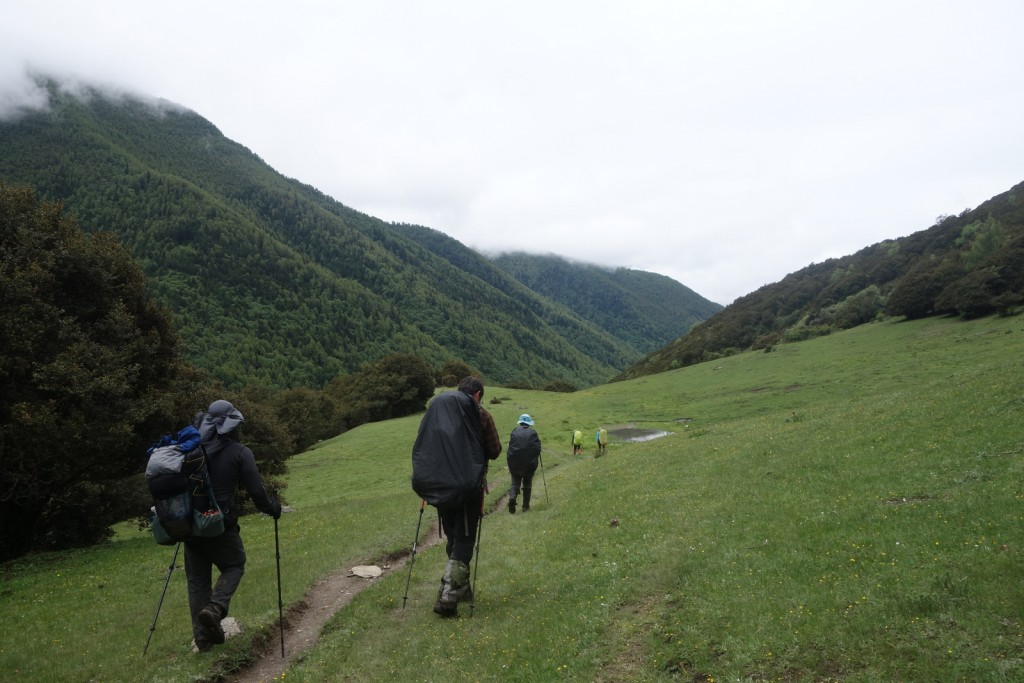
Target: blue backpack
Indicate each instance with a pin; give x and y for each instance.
(183, 502)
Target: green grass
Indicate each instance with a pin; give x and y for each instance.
(846, 508)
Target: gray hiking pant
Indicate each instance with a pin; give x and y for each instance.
(225, 552)
(525, 481)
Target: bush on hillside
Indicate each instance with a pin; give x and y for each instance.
(917, 294)
(310, 416)
(453, 371)
(560, 386)
(971, 296)
(90, 369)
(395, 386)
(862, 307)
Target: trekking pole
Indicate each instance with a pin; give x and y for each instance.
(280, 605)
(543, 479)
(412, 558)
(152, 627)
(476, 567)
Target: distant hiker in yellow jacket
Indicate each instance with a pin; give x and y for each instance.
(577, 442)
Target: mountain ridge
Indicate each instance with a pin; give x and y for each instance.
(968, 265)
(272, 281)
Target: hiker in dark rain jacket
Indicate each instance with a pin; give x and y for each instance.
(456, 440)
(523, 456)
(229, 463)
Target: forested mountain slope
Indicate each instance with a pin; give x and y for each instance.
(270, 280)
(969, 265)
(646, 309)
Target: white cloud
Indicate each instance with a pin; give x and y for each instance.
(724, 144)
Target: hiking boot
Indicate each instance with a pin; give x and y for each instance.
(455, 587)
(446, 611)
(446, 606)
(203, 646)
(461, 590)
(526, 508)
(511, 506)
(210, 617)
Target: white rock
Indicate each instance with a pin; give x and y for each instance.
(367, 571)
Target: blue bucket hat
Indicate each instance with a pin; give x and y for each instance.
(525, 419)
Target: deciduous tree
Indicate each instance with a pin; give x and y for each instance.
(90, 369)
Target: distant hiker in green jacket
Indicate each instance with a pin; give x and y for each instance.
(577, 442)
(602, 440)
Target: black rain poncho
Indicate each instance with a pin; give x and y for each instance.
(448, 461)
(523, 452)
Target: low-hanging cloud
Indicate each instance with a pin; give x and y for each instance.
(722, 144)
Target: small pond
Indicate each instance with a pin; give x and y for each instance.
(634, 435)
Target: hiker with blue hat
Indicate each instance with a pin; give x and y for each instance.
(523, 456)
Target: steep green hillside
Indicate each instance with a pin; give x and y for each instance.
(270, 280)
(968, 265)
(845, 509)
(646, 309)
(629, 311)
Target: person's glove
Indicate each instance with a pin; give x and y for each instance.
(276, 512)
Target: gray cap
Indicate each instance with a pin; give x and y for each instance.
(220, 418)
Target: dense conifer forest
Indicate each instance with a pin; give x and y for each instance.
(271, 281)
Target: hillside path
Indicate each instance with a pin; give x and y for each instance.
(304, 622)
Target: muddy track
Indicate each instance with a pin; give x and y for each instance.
(304, 621)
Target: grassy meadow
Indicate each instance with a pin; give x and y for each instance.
(847, 508)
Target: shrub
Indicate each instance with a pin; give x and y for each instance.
(560, 386)
(395, 386)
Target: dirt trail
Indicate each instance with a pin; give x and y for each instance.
(304, 622)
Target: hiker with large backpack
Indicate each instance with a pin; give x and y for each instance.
(456, 440)
(229, 464)
(523, 456)
(577, 442)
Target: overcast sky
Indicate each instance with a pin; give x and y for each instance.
(724, 143)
